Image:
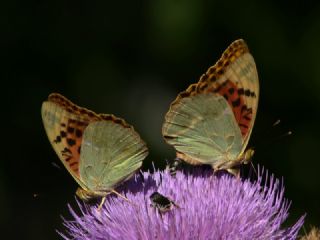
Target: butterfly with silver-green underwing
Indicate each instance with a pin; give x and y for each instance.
(100, 151)
(211, 122)
(161, 203)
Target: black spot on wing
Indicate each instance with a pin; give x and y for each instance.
(78, 133)
(231, 90)
(240, 91)
(71, 142)
(70, 130)
(66, 150)
(63, 134)
(57, 140)
(236, 103)
(247, 93)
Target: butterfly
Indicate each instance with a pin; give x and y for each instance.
(162, 203)
(100, 151)
(211, 122)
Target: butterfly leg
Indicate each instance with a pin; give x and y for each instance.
(115, 192)
(101, 203)
(235, 172)
(119, 195)
(123, 197)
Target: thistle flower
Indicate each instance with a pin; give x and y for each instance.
(206, 206)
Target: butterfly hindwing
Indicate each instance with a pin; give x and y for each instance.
(203, 128)
(111, 153)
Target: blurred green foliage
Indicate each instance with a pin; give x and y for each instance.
(131, 58)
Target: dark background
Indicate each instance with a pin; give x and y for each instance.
(131, 58)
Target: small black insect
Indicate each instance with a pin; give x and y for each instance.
(180, 165)
(175, 165)
(162, 203)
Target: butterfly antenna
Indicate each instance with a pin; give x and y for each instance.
(268, 135)
(285, 134)
(35, 195)
(56, 165)
(266, 131)
(277, 122)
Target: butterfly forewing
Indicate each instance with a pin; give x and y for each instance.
(110, 154)
(235, 78)
(64, 130)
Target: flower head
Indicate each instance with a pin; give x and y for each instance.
(205, 206)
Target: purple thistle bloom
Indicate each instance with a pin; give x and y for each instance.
(207, 207)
